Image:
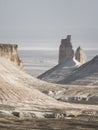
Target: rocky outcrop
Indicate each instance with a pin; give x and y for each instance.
(65, 50)
(80, 55)
(67, 63)
(10, 52)
(77, 94)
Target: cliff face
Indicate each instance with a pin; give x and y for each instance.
(65, 50)
(80, 55)
(10, 52)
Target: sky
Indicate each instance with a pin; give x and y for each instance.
(43, 23)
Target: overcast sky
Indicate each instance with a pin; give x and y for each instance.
(43, 23)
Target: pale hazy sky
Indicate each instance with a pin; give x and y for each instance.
(42, 23)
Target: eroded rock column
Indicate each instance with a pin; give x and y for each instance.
(65, 50)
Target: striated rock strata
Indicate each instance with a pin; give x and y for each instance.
(80, 55)
(10, 52)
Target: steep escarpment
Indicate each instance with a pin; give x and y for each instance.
(10, 52)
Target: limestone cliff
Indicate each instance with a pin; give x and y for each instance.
(65, 50)
(10, 52)
(80, 55)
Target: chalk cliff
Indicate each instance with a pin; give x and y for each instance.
(10, 52)
(80, 55)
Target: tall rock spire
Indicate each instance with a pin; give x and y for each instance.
(65, 50)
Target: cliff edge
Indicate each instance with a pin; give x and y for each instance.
(10, 52)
